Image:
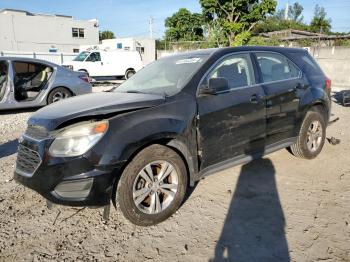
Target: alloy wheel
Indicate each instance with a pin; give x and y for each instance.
(155, 187)
(314, 136)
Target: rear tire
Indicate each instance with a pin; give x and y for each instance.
(311, 137)
(146, 199)
(58, 94)
(129, 73)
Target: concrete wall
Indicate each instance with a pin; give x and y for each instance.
(335, 62)
(22, 31)
(57, 58)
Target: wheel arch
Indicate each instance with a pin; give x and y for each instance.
(321, 107)
(169, 141)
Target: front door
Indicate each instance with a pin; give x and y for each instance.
(231, 124)
(94, 65)
(4, 86)
(283, 85)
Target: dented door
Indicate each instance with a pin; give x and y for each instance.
(231, 124)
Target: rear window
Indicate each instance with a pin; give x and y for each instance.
(307, 63)
(276, 67)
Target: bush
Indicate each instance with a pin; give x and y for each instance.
(262, 41)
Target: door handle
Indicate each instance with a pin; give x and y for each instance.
(254, 99)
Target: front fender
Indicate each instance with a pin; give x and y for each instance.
(172, 124)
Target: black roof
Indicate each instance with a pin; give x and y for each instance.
(225, 50)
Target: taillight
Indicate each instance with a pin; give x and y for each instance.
(328, 85)
(85, 78)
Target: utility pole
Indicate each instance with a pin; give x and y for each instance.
(151, 21)
(286, 12)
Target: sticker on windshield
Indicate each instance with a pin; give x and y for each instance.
(189, 61)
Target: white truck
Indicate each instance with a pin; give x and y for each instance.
(98, 63)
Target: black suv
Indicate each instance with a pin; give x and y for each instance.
(179, 119)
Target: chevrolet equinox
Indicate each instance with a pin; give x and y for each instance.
(181, 118)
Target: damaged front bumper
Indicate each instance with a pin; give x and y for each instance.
(76, 181)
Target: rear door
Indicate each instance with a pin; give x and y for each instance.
(232, 123)
(283, 84)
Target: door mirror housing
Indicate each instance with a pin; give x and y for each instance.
(219, 84)
(215, 86)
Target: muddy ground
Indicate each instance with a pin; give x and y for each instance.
(279, 208)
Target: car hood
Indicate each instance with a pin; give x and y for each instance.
(96, 104)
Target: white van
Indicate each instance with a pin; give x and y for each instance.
(107, 63)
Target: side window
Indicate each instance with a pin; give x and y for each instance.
(3, 78)
(94, 57)
(275, 67)
(237, 69)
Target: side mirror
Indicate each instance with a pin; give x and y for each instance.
(219, 84)
(216, 85)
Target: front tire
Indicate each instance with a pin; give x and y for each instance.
(152, 186)
(311, 137)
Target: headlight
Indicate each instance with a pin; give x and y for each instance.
(77, 140)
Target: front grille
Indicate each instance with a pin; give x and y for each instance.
(37, 132)
(28, 160)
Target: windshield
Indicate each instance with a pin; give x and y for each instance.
(166, 76)
(81, 57)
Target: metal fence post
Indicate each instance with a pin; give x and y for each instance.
(34, 55)
(61, 58)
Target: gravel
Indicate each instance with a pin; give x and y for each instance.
(279, 208)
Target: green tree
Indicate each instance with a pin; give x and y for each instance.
(274, 24)
(262, 41)
(320, 23)
(235, 18)
(278, 22)
(294, 13)
(106, 35)
(184, 26)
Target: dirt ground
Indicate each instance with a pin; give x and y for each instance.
(279, 208)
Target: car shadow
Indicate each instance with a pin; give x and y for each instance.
(8, 148)
(338, 97)
(254, 226)
(19, 111)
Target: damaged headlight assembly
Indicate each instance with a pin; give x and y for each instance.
(77, 140)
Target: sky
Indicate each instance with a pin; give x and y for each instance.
(131, 17)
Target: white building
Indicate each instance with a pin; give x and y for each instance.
(146, 46)
(25, 31)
